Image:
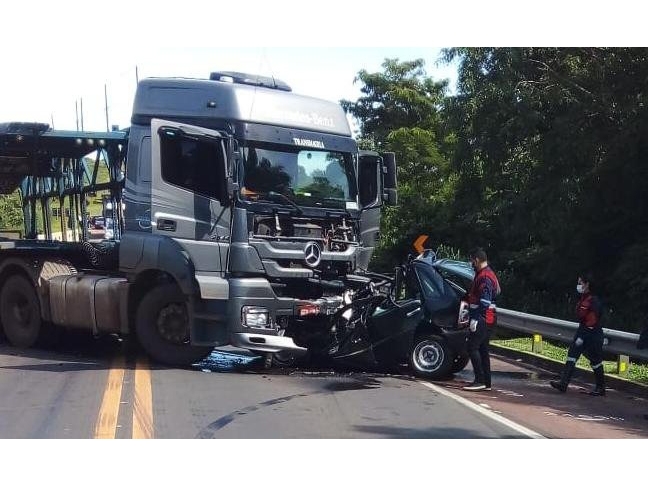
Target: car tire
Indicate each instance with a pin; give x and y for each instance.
(162, 328)
(20, 312)
(460, 362)
(430, 357)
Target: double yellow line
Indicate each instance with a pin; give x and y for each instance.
(106, 425)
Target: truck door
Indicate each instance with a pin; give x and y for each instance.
(370, 192)
(189, 197)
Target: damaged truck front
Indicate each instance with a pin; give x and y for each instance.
(243, 207)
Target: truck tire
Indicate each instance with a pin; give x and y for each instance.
(284, 359)
(20, 312)
(430, 357)
(162, 327)
(459, 363)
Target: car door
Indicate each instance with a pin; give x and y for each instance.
(440, 299)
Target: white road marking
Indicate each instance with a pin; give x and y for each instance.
(587, 418)
(503, 420)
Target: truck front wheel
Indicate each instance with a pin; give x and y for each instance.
(20, 312)
(162, 327)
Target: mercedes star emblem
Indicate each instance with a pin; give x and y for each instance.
(312, 254)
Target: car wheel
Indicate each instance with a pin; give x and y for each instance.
(430, 357)
(459, 363)
(162, 328)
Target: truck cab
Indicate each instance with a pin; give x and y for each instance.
(252, 200)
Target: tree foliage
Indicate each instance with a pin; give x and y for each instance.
(400, 111)
(11, 216)
(552, 148)
(541, 156)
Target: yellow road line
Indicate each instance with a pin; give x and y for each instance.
(106, 425)
(143, 403)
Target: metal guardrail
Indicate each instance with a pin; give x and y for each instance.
(616, 342)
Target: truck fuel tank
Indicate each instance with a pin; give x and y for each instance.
(87, 302)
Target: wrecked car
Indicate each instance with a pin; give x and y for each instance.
(415, 317)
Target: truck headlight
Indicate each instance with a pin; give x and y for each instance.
(257, 317)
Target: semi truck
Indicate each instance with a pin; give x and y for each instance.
(238, 207)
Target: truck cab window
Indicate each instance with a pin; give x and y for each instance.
(314, 178)
(193, 164)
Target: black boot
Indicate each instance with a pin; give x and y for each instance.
(599, 376)
(565, 378)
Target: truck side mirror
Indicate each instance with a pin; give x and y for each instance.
(390, 192)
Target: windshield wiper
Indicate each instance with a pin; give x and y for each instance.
(273, 196)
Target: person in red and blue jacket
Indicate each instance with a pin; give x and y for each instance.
(588, 339)
(481, 307)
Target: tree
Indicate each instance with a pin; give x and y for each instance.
(11, 216)
(399, 97)
(551, 147)
(400, 111)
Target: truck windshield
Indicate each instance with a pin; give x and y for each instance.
(316, 178)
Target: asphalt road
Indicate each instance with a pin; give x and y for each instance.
(89, 388)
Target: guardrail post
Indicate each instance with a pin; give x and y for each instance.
(536, 344)
(623, 363)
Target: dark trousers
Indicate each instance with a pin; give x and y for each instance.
(588, 343)
(478, 343)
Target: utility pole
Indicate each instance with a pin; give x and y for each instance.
(81, 114)
(52, 117)
(136, 77)
(76, 108)
(106, 100)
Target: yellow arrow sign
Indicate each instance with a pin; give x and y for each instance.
(418, 243)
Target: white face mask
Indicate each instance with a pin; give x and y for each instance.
(579, 288)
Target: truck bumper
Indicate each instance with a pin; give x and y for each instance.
(266, 343)
(258, 293)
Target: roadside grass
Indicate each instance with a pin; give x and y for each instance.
(637, 372)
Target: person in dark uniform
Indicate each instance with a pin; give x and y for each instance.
(588, 339)
(481, 308)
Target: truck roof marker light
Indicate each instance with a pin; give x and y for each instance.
(102, 143)
(90, 142)
(78, 141)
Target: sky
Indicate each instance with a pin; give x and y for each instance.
(322, 72)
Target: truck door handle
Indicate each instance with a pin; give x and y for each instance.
(166, 225)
